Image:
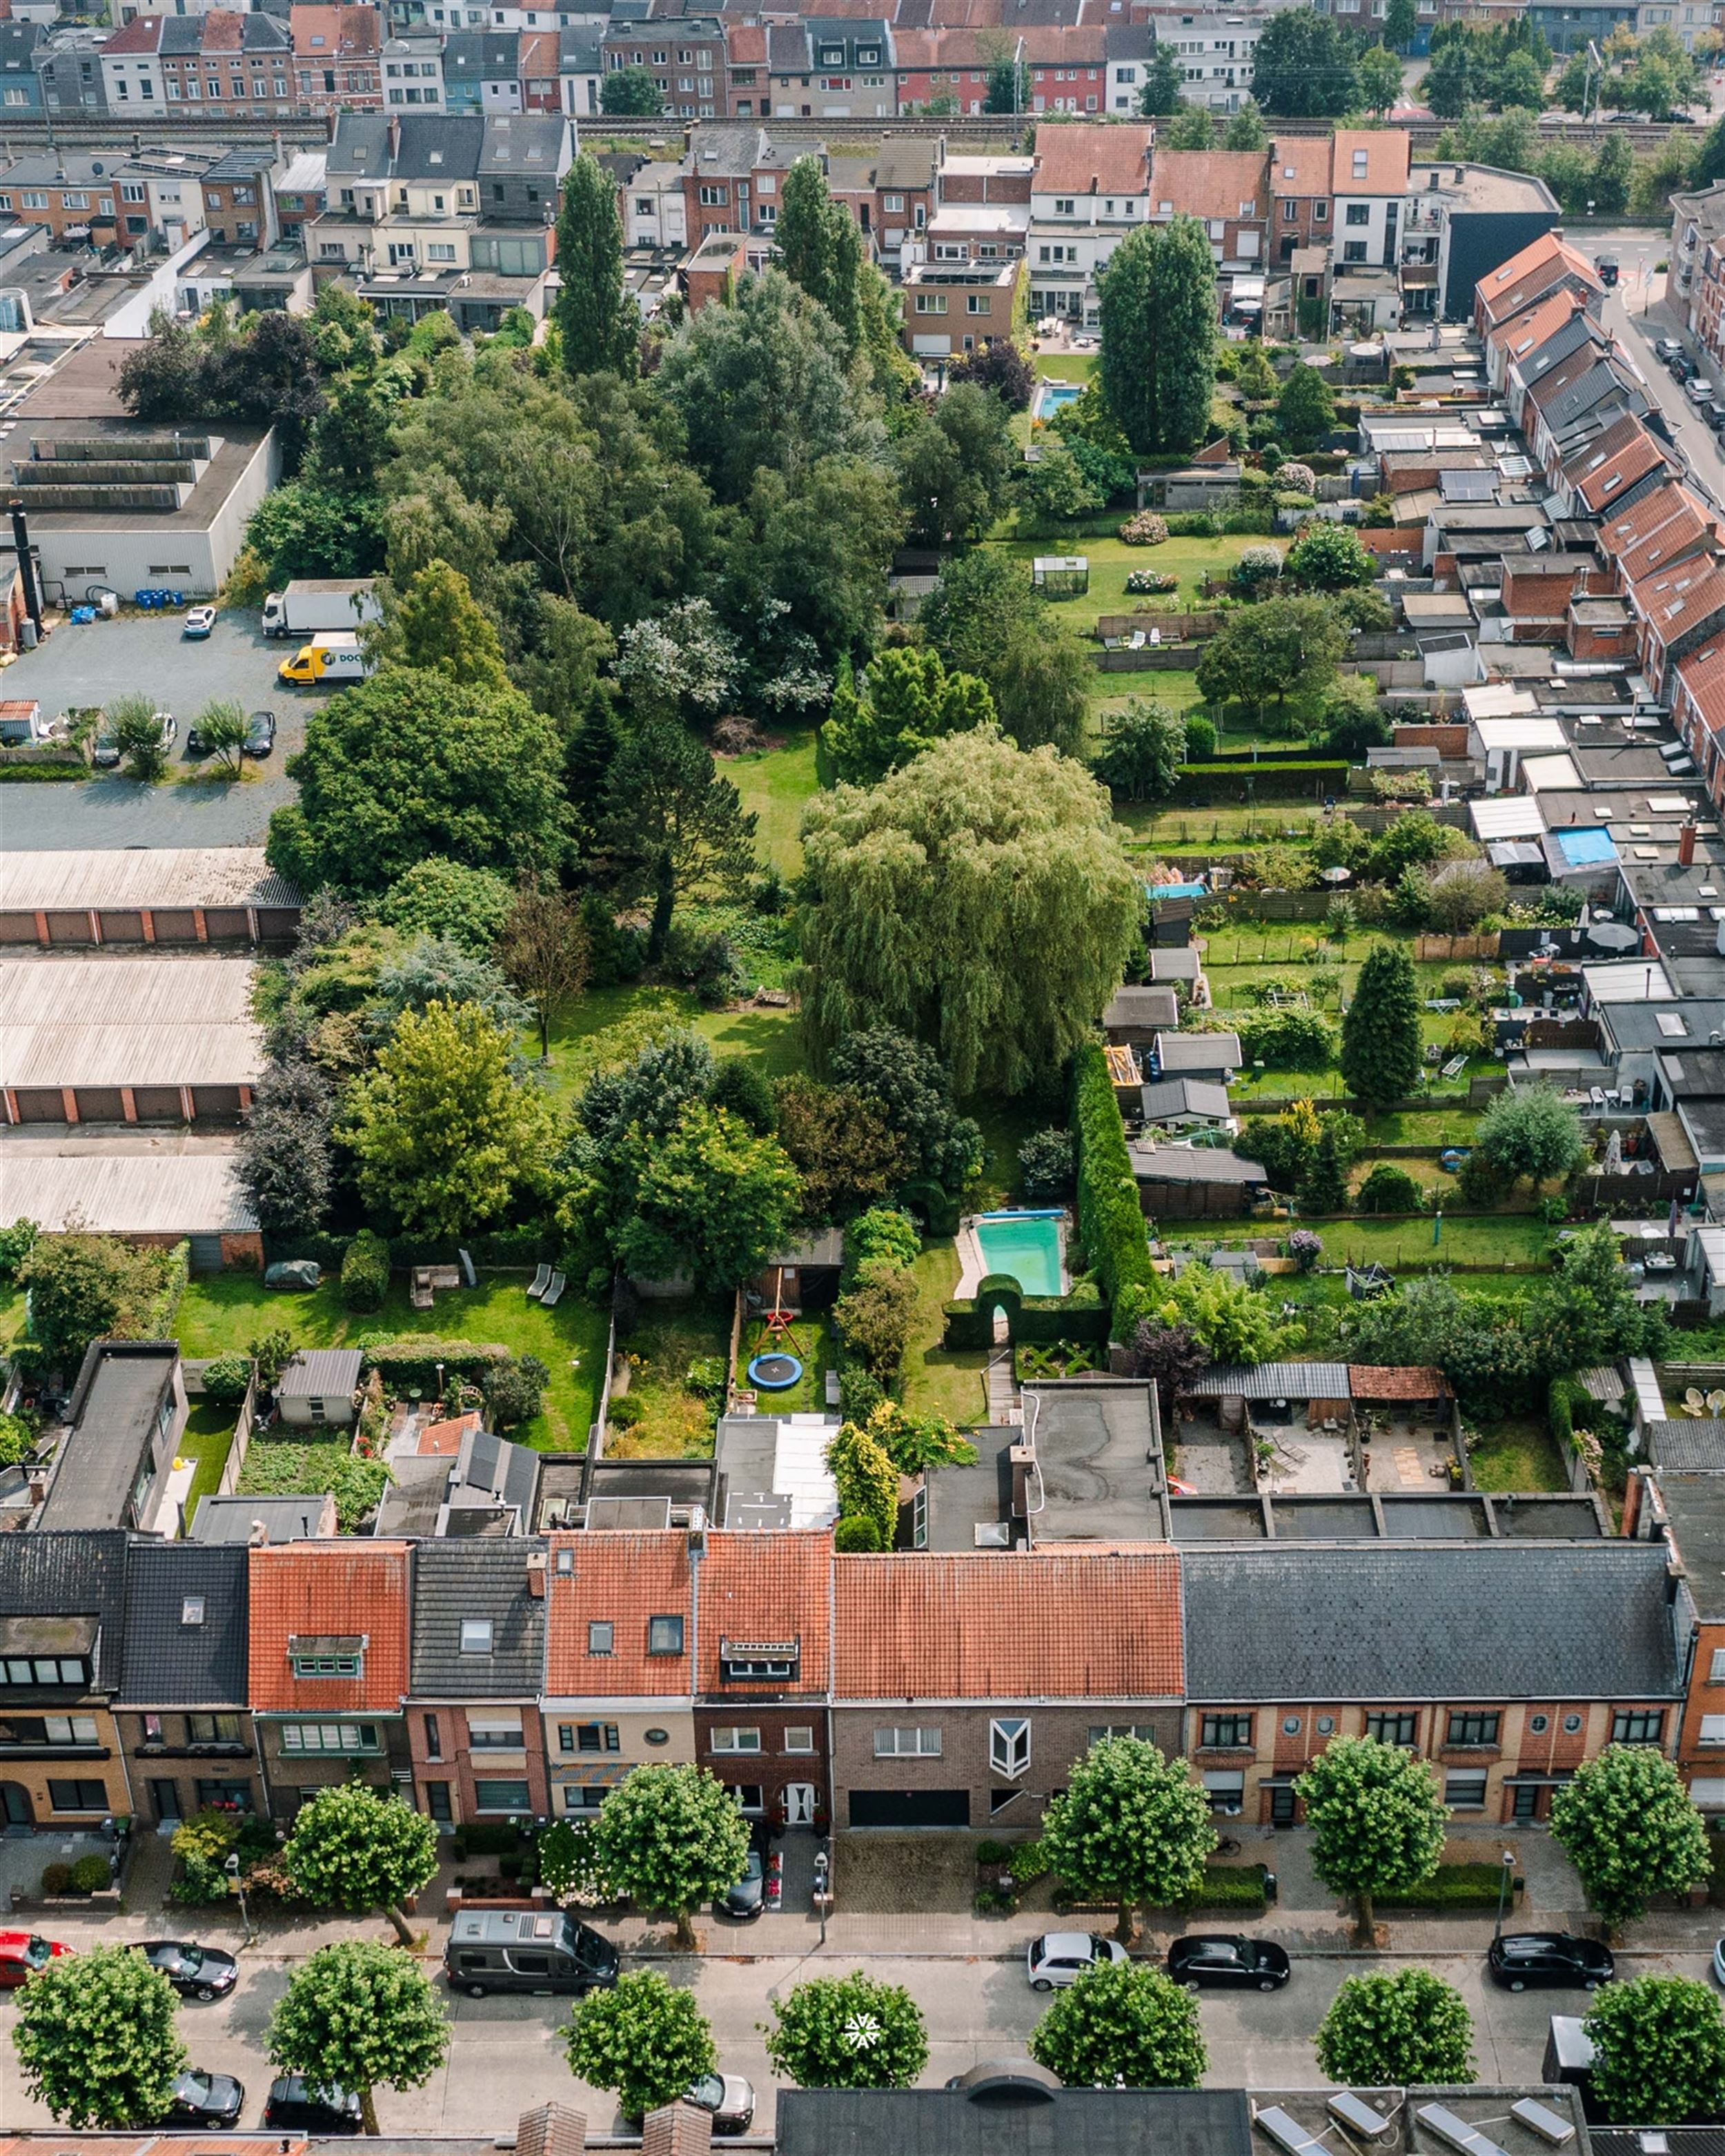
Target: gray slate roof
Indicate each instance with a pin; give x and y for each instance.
(1076, 2121)
(1172, 1163)
(1152, 1006)
(1696, 1441)
(1273, 1381)
(79, 1574)
(320, 1373)
(1177, 1052)
(1450, 1621)
(461, 1578)
(170, 1662)
(1183, 1097)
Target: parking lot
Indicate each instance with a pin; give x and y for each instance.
(147, 653)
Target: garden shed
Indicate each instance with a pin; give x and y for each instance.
(1061, 576)
(318, 1384)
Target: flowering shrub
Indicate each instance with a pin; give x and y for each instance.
(1150, 580)
(1305, 1248)
(1297, 478)
(1145, 529)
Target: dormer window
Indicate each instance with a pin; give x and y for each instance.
(758, 1661)
(327, 1655)
(475, 1635)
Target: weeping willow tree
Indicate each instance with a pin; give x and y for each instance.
(977, 898)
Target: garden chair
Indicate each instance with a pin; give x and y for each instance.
(1694, 1398)
(552, 1294)
(1155, 639)
(542, 1280)
(1715, 1402)
(1135, 642)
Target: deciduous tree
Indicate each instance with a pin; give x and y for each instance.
(1411, 2026)
(1631, 1829)
(96, 2036)
(1158, 366)
(712, 1201)
(876, 1315)
(360, 2016)
(543, 949)
(1659, 2051)
(1143, 746)
(221, 727)
(819, 244)
(1132, 1827)
(283, 1161)
(906, 703)
(670, 1838)
(984, 620)
(1281, 647)
(847, 2032)
(598, 324)
(907, 1081)
(644, 2039)
(1164, 84)
(1303, 69)
(441, 897)
(84, 1286)
(1380, 1032)
(1377, 1822)
(436, 626)
(1329, 557)
(1532, 1131)
(1122, 2025)
(631, 92)
(350, 1849)
(840, 1144)
(1306, 410)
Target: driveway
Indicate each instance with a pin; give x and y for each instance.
(95, 664)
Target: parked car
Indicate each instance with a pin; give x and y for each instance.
(195, 1971)
(22, 1954)
(1219, 1958)
(729, 2098)
(1719, 1961)
(1521, 1960)
(747, 1898)
(1668, 348)
(205, 2101)
(1607, 266)
(1698, 389)
(107, 752)
(1059, 1959)
(1682, 365)
(199, 621)
(292, 2102)
(260, 733)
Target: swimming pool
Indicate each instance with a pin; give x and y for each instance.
(1585, 847)
(1025, 1245)
(1052, 395)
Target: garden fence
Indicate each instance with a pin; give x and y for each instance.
(1454, 947)
(229, 1483)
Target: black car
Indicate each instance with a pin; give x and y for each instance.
(292, 2102)
(1205, 1958)
(260, 733)
(205, 2101)
(1521, 1960)
(1607, 266)
(747, 1898)
(195, 1971)
(1683, 368)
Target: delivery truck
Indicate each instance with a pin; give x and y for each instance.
(332, 660)
(313, 604)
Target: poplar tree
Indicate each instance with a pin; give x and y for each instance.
(1380, 1034)
(598, 321)
(1157, 368)
(819, 244)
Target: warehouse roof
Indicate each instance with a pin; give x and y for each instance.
(113, 1021)
(132, 1193)
(140, 876)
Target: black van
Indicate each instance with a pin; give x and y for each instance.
(525, 1950)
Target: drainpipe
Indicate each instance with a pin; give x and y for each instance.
(26, 564)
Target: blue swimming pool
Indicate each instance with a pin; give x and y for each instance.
(1025, 1245)
(1052, 395)
(1585, 847)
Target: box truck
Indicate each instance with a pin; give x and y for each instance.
(313, 604)
(335, 661)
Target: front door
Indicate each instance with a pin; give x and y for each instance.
(799, 1804)
(1282, 1804)
(1525, 1801)
(166, 1798)
(15, 1805)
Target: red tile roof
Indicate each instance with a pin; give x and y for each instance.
(1300, 167)
(1103, 1624)
(746, 44)
(1107, 159)
(1524, 333)
(143, 34)
(315, 1589)
(1208, 183)
(767, 1587)
(1613, 463)
(619, 1578)
(1686, 595)
(1702, 674)
(1662, 527)
(1518, 282)
(1386, 153)
(443, 1440)
(224, 32)
(1366, 1382)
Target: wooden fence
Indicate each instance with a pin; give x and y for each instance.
(1152, 658)
(231, 1472)
(1146, 615)
(1454, 947)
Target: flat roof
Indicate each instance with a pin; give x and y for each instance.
(98, 1461)
(963, 1499)
(235, 447)
(1098, 1444)
(167, 1020)
(129, 876)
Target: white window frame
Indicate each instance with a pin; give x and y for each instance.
(735, 1742)
(900, 1743)
(800, 1740)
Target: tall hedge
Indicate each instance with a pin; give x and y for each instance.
(1111, 1221)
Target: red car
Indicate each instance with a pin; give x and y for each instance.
(22, 1954)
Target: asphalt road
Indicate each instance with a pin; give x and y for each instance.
(505, 2055)
(104, 659)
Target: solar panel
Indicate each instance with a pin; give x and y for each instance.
(1359, 2116)
(1541, 2119)
(1285, 2131)
(1454, 2133)
(1468, 485)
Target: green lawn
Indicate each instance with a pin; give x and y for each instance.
(1064, 366)
(1516, 1456)
(207, 1439)
(1485, 1238)
(936, 1381)
(12, 1315)
(219, 1312)
(814, 1347)
(1110, 559)
(608, 1026)
(774, 784)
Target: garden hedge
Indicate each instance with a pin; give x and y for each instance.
(518, 1248)
(1037, 1320)
(365, 1272)
(934, 1202)
(1454, 1886)
(408, 1363)
(1111, 1221)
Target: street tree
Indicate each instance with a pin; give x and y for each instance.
(631, 92)
(598, 323)
(977, 899)
(907, 702)
(1659, 2051)
(644, 2040)
(350, 1849)
(1122, 2025)
(95, 2035)
(1518, 80)
(1380, 78)
(437, 626)
(1532, 1131)
(1277, 648)
(409, 764)
(1303, 69)
(847, 2032)
(360, 2016)
(1306, 410)
(670, 1838)
(819, 246)
(711, 1201)
(1631, 1829)
(1132, 1827)
(544, 950)
(1377, 1822)
(1157, 365)
(1411, 2026)
(1401, 24)
(443, 1133)
(1164, 84)
(1381, 1050)
(221, 727)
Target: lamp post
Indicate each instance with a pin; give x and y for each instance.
(232, 1868)
(1506, 1872)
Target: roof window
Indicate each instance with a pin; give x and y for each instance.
(191, 1610)
(475, 1635)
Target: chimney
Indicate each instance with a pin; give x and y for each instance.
(394, 140)
(552, 2130)
(1686, 845)
(1556, 233)
(676, 2130)
(26, 564)
(259, 1537)
(536, 1575)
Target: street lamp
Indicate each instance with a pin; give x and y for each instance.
(1506, 1873)
(232, 1868)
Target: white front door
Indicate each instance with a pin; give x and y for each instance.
(799, 1804)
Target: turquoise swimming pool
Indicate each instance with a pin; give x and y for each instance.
(1051, 395)
(1025, 1245)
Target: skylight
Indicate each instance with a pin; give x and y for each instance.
(475, 1635)
(1672, 1025)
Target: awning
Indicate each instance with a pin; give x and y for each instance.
(606, 1777)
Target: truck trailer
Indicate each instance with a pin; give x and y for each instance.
(313, 604)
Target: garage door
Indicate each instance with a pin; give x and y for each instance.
(174, 925)
(910, 1807)
(18, 928)
(158, 1104)
(227, 924)
(100, 1104)
(216, 1104)
(40, 1104)
(205, 1254)
(122, 927)
(68, 928)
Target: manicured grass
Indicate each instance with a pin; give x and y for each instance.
(1515, 1455)
(774, 784)
(609, 1026)
(1005, 1125)
(12, 1314)
(220, 1312)
(812, 1344)
(207, 1439)
(1064, 366)
(938, 1381)
(676, 1424)
(1110, 559)
(1484, 1239)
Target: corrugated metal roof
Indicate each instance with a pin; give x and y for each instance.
(135, 876)
(124, 1194)
(1273, 1381)
(159, 1021)
(320, 1373)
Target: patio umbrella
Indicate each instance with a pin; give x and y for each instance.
(1672, 1218)
(1437, 1227)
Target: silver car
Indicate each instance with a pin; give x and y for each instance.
(1059, 1959)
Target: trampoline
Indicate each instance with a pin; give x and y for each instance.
(776, 1373)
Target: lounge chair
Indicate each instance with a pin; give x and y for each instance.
(1693, 1398)
(1716, 1404)
(542, 1280)
(470, 1275)
(1155, 639)
(1136, 641)
(553, 1291)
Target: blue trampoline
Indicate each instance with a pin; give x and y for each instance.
(776, 1373)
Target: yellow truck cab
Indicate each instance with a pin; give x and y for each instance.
(336, 658)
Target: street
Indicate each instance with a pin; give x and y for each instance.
(1636, 311)
(505, 2056)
